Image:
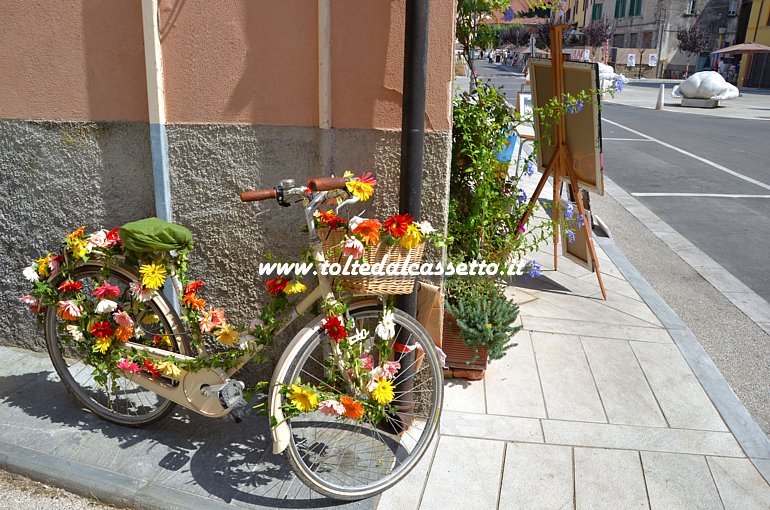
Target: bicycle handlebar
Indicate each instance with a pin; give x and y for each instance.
(258, 194)
(327, 183)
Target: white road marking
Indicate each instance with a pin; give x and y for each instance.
(627, 139)
(694, 156)
(699, 195)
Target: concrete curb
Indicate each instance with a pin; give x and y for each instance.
(746, 431)
(96, 483)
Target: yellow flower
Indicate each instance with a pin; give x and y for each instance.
(412, 237)
(150, 319)
(295, 287)
(303, 399)
(79, 247)
(362, 190)
(42, 265)
(153, 275)
(226, 335)
(348, 174)
(102, 344)
(168, 369)
(383, 393)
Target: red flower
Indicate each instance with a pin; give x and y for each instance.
(330, 219)
(335, 328)
(70, 286)
(106, 291)
(150, 367)
(193, 287)
(113, 237)
(101, 329)
(397, 225)
(276, 285)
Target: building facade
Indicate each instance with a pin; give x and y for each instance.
(246, 104)
(755, 69)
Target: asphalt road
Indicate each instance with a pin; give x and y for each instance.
(734, 230)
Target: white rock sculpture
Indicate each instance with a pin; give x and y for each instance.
(705, 85)
(607, 74)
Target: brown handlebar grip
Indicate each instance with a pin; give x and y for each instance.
(326, 183)
(258, 194)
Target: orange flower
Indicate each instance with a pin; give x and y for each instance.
(75, 234)
(123, 333)
(330, 219)
(369, 231)
(353, 410)
(193, 287)
(194, 302)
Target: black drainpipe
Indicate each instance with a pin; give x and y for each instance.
(413, 121)
(410, 190)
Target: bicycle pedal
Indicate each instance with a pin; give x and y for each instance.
(230, 393)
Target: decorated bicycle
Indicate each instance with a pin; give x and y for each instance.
(356, 396)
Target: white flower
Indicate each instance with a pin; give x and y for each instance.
(98, 239)
(30, 273)
(75, 332)
(244, 340)
(386, 329)
(361, 334)
(106, 306)
(425, 227)
(354, 222)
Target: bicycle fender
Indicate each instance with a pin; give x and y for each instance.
(281, 432)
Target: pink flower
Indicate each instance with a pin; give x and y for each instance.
(521, 228)
(128, 365)
(123, 319)
(368, 363)
(105, 291)
(141, 293)
(391, 367)
(32, 302)
(54, 265)
(331, 408)
(353, 248)
(98, 239)
(211, 319)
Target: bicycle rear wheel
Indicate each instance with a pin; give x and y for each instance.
(349, 460)
(120, 400)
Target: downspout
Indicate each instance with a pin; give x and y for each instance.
(156, 104)
(410, 188)
(413, 120)
(324, 85)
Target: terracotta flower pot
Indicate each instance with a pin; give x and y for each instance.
(458, 354)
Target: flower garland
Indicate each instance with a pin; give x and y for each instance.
(99, 319)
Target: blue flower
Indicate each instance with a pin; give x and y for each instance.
(530, 170)
(570, 236)
(617, 84)
(581, 219)
(569, 211)
(575, 107)
(522, 198)
(509, 14)
(534, 269)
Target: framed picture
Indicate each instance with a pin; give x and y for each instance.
(583, 128)
(577, 250)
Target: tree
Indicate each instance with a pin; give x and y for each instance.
(543, 34)
(515, 34)
(692, 40)
(470, 14)
(598, 32)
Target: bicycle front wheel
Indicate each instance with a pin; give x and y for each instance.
(120, 400)
(350, 460)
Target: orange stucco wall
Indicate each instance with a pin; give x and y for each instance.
(72, 60)
(230, 61)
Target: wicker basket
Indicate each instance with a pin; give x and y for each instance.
(380, 284)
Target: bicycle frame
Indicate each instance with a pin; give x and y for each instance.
(189, 390)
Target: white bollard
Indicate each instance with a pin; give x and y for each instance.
(661, 93)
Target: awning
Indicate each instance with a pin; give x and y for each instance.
(745, 48)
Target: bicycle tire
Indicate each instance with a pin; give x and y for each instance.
(306, 457)
(133, 405)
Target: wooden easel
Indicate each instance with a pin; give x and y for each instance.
(560, 165)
